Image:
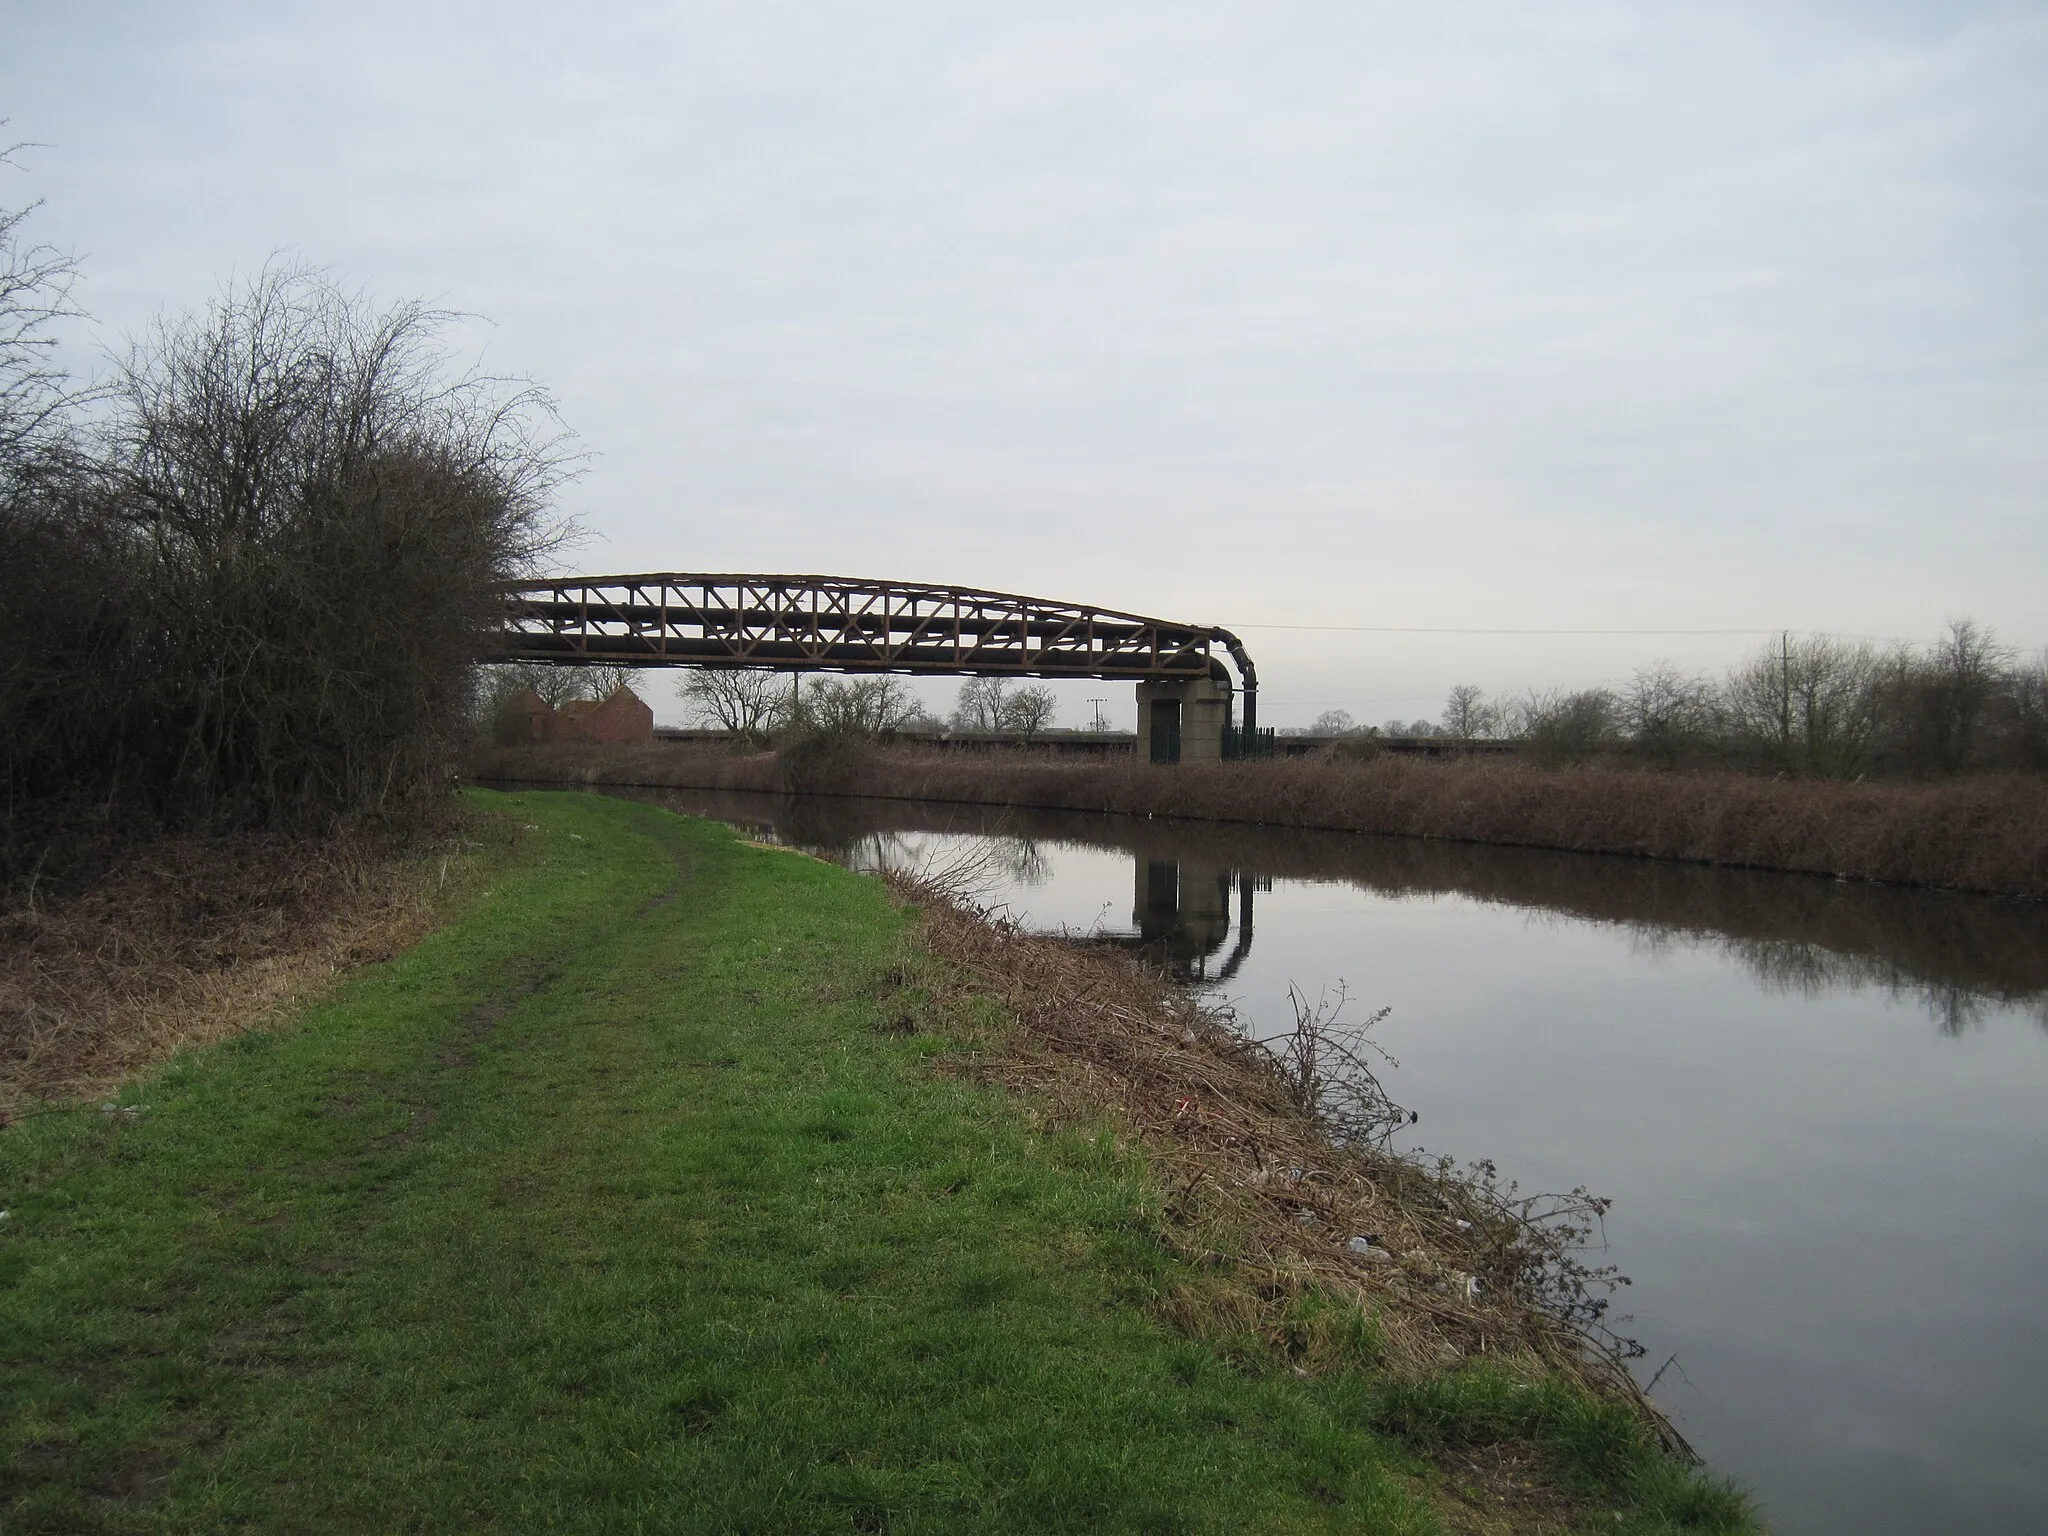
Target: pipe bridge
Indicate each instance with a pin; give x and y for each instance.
(840, 624)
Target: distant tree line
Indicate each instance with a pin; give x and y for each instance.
(1806, 705)
(247, 576)
(761, 706)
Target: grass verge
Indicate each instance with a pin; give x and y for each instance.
(621, 1203)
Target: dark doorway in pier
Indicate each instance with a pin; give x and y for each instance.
(1166, 730)
(1162, 892)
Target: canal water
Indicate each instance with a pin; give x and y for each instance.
(1820, 1109)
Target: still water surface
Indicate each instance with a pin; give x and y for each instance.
(1821, 1109)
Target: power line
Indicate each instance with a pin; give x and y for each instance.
(1416, 629)
(1411, 629)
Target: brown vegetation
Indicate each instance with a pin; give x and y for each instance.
(1296, 1235)
(1972, 834)
(146, 944)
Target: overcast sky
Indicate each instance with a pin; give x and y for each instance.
(1713, 317)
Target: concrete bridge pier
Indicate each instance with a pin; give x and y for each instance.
(1184, 909)
(1182, 721)
(1182, 913)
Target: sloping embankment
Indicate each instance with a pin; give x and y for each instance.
(683, 1157)
(1984, 834)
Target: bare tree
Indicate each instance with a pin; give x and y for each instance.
(1333, 722)
(1030, 710)
(326, 515)
(1466, 715)
(979, 706)
(1809, 704)
(1669, 714)
(1557, 726)
(1936, 701)
(36, 398)
(499, 684)
(748, 702)
(604, 680)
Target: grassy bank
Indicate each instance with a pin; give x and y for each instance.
(1979, 834)
(659, 1191)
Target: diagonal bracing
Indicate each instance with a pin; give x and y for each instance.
(839, 624)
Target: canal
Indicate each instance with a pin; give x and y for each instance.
(1821, 1109)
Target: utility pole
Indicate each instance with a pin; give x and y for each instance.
(1785, 693)
(1100, 723)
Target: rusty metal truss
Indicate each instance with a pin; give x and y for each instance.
(838, 624)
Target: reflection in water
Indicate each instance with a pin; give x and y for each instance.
(1182, 913)
(1807, 969)
(1833, 1213)
(1958, 957)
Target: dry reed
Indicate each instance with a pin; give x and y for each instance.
(1969, 834)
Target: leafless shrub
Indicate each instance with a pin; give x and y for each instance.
(1535, 1244)
(1323, 1064)
(1670, 716)
(2019, 717)
(1558, 727)
(1932, 708)
(65, 578)
(827, 741)
(1539, 1243)
(854, 708)
(288, 548)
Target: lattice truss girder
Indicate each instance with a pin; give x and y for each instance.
(829, 623)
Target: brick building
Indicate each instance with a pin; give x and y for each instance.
(620, 718)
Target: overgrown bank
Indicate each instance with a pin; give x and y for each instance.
(633, 1198)
(148, 940)
(1986, 835)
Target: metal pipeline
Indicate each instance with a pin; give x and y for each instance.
(1248, 677)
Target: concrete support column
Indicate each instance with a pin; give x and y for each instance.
(1196, 711)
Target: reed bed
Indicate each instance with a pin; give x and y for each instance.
(1305, 1230)
(1982, 834)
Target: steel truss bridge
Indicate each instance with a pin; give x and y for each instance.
(838, 624)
